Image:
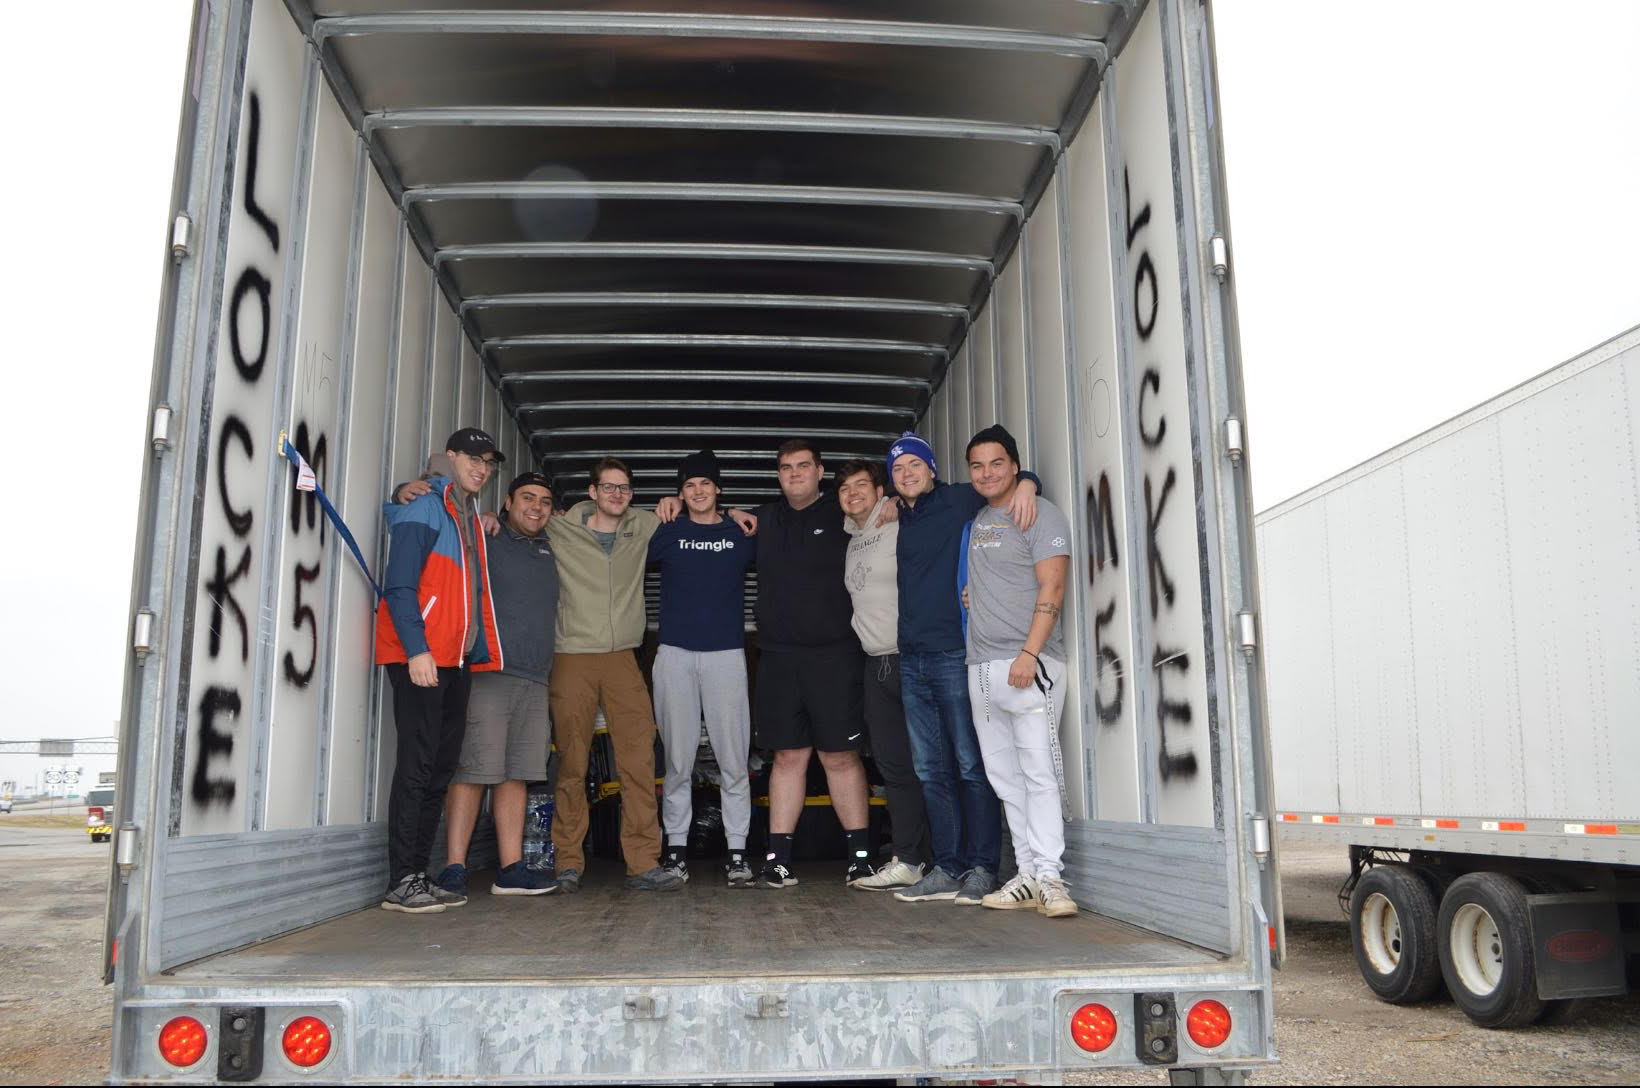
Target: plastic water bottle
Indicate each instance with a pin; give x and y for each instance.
(538, 849)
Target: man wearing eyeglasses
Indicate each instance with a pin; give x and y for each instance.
(434, 628)
(603, 547)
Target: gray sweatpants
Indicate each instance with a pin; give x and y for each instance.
(690, 685)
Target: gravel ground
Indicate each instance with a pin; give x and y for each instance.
(55, 1014)
(54, 1021)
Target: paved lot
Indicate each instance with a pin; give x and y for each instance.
(55, 1014)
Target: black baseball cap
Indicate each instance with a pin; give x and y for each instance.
(474, 443)
(525, 478)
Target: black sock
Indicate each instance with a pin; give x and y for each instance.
(780, 848)
(859, 844)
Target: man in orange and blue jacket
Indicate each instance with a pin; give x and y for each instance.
(434, 628)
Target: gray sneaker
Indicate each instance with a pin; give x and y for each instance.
(411, 896)
(938, 884)
(657, 879)
(977, 883)
(568, 882)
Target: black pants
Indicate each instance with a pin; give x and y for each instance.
(430, 723)
(891, 751)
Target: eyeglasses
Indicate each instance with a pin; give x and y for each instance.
(488, 462)
(615, 489)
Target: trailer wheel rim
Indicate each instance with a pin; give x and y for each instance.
(1381, 933)
(1477, 949)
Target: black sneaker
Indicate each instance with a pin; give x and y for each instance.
(859, 869)
(776, 874)
(673, 863)
(739, 874)
(450, 887)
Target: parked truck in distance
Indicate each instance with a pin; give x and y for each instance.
(1451, 632)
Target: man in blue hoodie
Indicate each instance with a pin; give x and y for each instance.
(964, 817)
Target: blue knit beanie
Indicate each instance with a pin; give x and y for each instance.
(912, 443)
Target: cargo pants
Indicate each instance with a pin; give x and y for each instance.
(579, 683)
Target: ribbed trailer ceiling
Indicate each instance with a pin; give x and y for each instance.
(725, 227)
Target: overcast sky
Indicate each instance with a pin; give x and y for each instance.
(1429, 204)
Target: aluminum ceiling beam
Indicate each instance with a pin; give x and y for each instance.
(708, 119)
(651, 404)
(738, 454)
(712, 340)
(707, 299)
(696, 25)
(760, 376)
(715, 251)
(714, 192)
(649, 431)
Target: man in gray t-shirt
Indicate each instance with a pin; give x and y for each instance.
(1016, 670)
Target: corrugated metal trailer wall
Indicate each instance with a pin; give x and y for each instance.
(337, 334)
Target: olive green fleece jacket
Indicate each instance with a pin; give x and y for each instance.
(600, 597)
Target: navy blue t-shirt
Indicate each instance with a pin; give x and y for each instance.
(703, 583)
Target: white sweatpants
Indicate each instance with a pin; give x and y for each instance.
(1014, 727)
(710, 684)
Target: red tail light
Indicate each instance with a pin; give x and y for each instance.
(1093, 1028)
(182, 1041)
(1208, 1024)
(306, 1041)
(95, 814)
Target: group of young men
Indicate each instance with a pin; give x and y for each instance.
(925, 625)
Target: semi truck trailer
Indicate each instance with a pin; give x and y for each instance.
(1453, 694)
(636, 229)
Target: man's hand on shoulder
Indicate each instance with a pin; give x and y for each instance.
(415, 489)
(890, 514)
(1022, 508)
(669, 508)
(747, 522)
(491, 523)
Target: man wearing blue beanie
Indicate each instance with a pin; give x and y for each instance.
(964, 817)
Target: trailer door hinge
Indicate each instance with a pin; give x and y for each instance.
(1261, 838)
(125, 849)
(1221, 258)
(182, 229)
(159, 436)
(1246, 631)
(142, 633)
(1234, 443)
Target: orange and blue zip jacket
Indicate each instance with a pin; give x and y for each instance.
(425, 605)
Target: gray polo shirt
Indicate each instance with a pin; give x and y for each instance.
(1002, 580)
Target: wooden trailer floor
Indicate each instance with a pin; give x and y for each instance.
(704, 931)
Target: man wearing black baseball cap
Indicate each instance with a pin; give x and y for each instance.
(436, 604)
(505, 745)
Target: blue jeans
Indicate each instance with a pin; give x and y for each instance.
(945, 753)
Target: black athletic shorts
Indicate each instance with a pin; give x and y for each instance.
(809, 699)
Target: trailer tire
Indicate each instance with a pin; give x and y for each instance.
(1392, 929)
(1486, 951)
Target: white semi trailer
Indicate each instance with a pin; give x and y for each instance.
(1454, 693)
(638, 229)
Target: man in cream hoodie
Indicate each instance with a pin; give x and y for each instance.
(869, 572)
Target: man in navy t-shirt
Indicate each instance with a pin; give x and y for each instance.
(700, 669)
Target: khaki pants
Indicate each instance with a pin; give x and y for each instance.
(578, 684)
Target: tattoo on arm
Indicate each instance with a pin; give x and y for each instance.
(1048, 609)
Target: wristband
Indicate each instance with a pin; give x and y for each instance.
(1023, 650)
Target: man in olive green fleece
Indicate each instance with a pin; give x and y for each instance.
(602, 546)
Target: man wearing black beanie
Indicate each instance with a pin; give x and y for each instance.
(700, 667)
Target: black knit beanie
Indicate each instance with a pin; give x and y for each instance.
(700, 463)
(997, 433)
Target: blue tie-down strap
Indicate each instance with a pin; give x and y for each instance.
(307, 481)
(962, 575)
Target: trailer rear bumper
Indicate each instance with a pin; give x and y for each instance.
(677, 1031)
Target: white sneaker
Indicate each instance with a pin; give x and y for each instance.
(1054, 901)
(1020, 893)
(896, 874)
